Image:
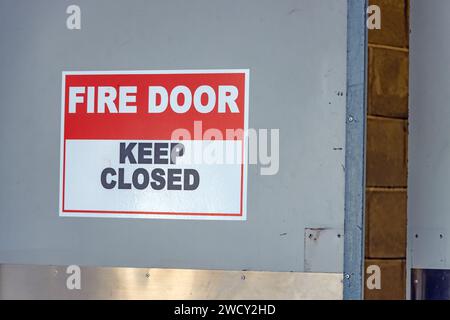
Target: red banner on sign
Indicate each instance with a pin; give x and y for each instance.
(151, 106)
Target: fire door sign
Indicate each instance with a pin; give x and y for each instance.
(154, 144)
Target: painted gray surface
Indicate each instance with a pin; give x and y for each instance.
(321, 247)
(296, 52)
(429, 137)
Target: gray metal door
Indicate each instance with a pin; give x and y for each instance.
(306, 62)
(429, 153)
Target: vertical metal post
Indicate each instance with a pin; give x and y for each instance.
(355, 149)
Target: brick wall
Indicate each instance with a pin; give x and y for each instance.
(387, 133)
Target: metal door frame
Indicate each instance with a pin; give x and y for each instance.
(355, 163)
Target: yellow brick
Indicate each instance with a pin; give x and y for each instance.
(393, 280)
(386, 164)
(388, 83)
(394, 24)
(386, 224)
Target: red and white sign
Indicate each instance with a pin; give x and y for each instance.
(154, 144)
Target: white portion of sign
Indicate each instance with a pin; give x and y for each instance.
(218, 196)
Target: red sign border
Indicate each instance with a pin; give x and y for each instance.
(143, 214)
